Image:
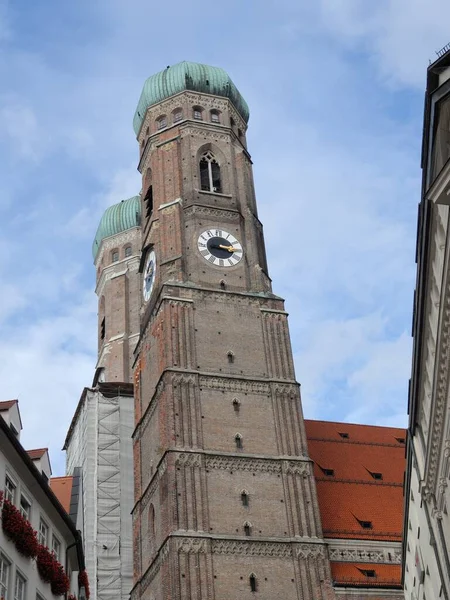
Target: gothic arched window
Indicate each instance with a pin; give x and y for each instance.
(115, 255)
(128, 251)
(252, 581)
(238, 441)
(247, 528)
(210, 173)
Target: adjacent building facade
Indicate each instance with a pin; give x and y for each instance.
(28, 501)
(426, 548)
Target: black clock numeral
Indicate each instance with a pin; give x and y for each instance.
(218, 233)
(221, 263)
(202, 245)
(209, 234)
(205, 253)
(230, 261)
(211, 258)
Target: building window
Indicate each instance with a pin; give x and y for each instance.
(128, 251)
(236, 405)
(177, 116)
(400, 440)
(10, 490)
(365, 524)
(230, 356)
(4, 577)
(247, 528)
(210, 173)
(368, 572)
(376, 475)
(56, 547)
(238, 441)
(25, 507)
(240, 133)
(232, 123)
(115, 256)
(215, 116)
(244, 498)
(43, 533)
(19, 587)
(327, 472)
(161, 123)
(198, 113)
(252, 580)
(102, 329)
(148, 202)
(344, 435)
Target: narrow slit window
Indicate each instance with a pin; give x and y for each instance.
(230, 356)
(238, 441)
(247, 529)
(102, 329)
(236, 405)
(253, 583)
(148, 202)
(244, 498)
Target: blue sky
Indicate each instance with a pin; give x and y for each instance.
(335, 89)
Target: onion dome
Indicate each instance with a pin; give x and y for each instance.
(188, 76)
(119, 217)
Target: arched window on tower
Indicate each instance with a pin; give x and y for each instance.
(197, 113)
(128, 251)
(244, 498)
(177, 115)
(161, 122)
(115, 255)
(238, 441)
(215, 116)
(252, 581)
(210, 173)
(247, 528)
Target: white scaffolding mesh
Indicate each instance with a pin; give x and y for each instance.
(101, 444)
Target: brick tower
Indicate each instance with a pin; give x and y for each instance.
(226, 504)
(116, 250)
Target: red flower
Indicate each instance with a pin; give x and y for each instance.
(19, 530)
(83, 581)
(51, 571)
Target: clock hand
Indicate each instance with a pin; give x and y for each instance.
(229, 248)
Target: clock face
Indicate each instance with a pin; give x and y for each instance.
(149, 275)
(219, 247)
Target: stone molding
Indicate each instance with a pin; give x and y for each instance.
(216, 136)
(140, 427)
(212, 211)
(441, 385)
(234, 385)
(269, 549)
(352, 552)
(243, 464)
(192, 546)
(153, 569)
(188, 459)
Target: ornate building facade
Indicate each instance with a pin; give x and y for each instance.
(426, 550)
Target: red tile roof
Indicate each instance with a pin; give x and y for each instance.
(354, 574)
(62, 488)
(7, 404)
(37, 453)
(350, 494)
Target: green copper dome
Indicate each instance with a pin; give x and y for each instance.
(187, 76)
(117, 218)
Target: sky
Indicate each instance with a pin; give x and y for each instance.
(335, 89)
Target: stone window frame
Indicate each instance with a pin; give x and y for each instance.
(115, 255)
(128, 251)
(212, 171)
(223, 166)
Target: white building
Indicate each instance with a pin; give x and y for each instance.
(426, 546)
(24, 479)
(99, 443)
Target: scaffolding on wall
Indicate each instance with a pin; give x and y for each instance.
(99, 441)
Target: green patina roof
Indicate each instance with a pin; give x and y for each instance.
(117, 218)
(187, 76)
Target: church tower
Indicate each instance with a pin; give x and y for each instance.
(116, 250)
(226, 504)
